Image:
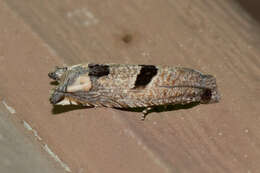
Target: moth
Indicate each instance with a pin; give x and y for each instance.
(131, 86)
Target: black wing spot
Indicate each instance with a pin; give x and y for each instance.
(146, 74)
(206, 95)
(98, 70)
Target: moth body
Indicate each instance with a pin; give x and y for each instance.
(131, 86)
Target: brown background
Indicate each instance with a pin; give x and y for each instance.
(217, 37)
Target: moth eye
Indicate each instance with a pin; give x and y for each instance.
(56, 75)
(206, 95)
(52, 75)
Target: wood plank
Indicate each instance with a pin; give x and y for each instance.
(216, 37)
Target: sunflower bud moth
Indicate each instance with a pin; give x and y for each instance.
(131, 86)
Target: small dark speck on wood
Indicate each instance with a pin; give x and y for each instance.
(127, 38)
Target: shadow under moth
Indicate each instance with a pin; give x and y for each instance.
(131, 86)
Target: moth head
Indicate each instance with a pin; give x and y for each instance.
(72, 81)
(57, 73)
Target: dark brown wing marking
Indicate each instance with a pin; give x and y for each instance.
(98, 70)
(146, 74)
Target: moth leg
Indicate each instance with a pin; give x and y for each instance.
(145, 112)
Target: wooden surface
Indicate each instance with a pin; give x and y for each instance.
(215, 37)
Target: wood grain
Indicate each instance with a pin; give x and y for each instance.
(216, 37)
